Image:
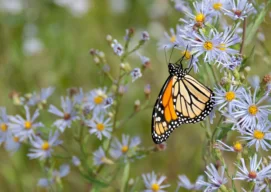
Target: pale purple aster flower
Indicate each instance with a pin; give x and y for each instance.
(145, 36)
(144, 60)
(63, 171)
(67, 116)
(100, 126)
(237, 146)
(182, 6)
(255, 173)
(96, 100)
(76, 161)
(119, 149)
(170, 39)
(202, 15)
(254, 81)
(5, 131)
(43, 149)
(41, 97)
(239, 9)
(235, 61)
(100, 158)
(260, 135)
(136, 74)
(79, 97)
(12, 143)
(226, 98)
(215, 179)
(258, 188)
(184, 182)
(24, 128)
(248, 111)
(207, 45)
(229, 38)
(117, 47)
(216, 6)
(154, 183)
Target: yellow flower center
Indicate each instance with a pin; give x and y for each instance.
(100, 126)
(229, 96)
(45, 146)
(4, 127)
(252, 174)
(237, 146)
(253, 109)
(173, 39)
(186, 54)
(124, 148)
(222, 47)
(98, 100)
(27, 125)
(16, 139)
(258, 135)
(217, 6)
(208, 45)
(155, 187)
(200, 18)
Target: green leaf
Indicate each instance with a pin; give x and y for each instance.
(125, 177)
(96, 183)
(222, 132)
(253, 27)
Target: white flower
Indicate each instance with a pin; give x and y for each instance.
(43, 148)
(78, 8)
(169, 40)
(255, 172)
(185, 183)
(41, 97)
(226, 98)
(119, 149)
(5, 131)
(12, 143)
(24, 128)
(117, 47)
(260, 135)
(215, 180)
(135, 74)
(67, 116)
(100, 158)
(153, 183)
(248, 111)
(237, 146)
(217, 6)
(100, 126)
(239, 9)
(97, 100)
(11, 6)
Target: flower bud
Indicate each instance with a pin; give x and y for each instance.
(147, 91)
(137, 105)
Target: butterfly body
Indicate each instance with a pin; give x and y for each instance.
(182, 100)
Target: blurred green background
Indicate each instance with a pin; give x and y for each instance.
(46, 43)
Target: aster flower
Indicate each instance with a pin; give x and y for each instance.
(100, 158)
(201, 16)
(239, 9)
(100, 126)
(144, 60)
(184, 182)
(216, 6)
(248, 111)
(182, 6)
(260, 136)
(41, 97)
(12, 143)
(254, 81)
(145, 36)
(67, 116)
(96, 100)
(237, 146)
(43, 148)
(136, 74)
(117, 47)
(255, 173)
(215, 180)
(257, 188)
(24, 128)
(208, 45)
(170, 40)
(224, 98)
(5, 132)
(63, 171)
(122, 148)
(153, 183)
(234, 61)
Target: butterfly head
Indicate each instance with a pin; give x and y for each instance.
(177, 70)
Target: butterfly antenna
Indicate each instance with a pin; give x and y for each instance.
(180, 60)
(172, 52)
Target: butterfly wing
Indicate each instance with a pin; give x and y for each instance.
(164, 117)
(192, 100)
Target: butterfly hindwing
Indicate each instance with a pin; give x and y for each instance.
(165, 118)
(192, 100)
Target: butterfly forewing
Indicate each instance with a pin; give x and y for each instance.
(165, 118)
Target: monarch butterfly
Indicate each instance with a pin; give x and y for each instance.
(182, 100)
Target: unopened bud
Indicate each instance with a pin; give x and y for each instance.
(247, 69)
(137, 105)
(92, 52)
(147, 91)
(266, 79)
(109, 38)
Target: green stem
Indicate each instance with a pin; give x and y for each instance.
(243, 36)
